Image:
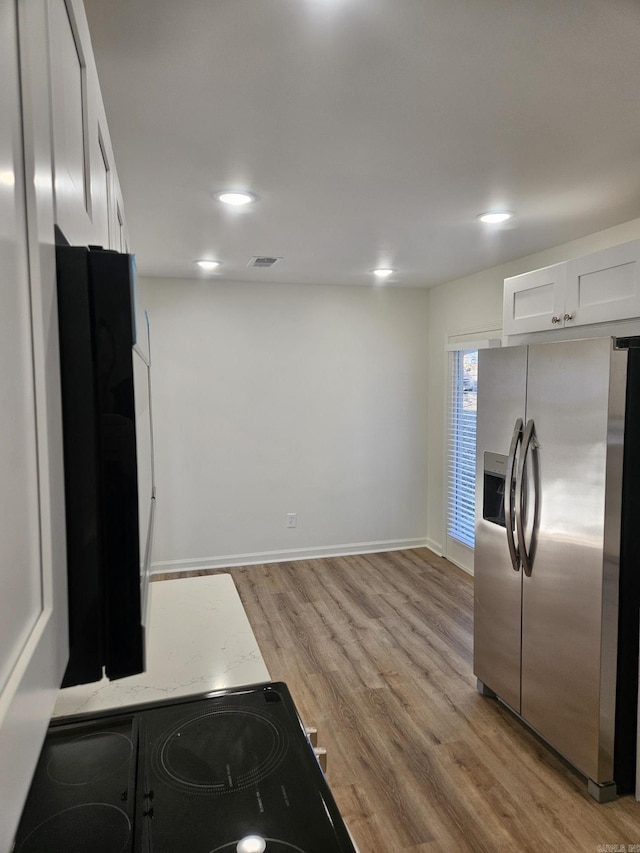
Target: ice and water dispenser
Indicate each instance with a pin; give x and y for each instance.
(495, 475)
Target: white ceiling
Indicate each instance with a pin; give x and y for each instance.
(372, 131)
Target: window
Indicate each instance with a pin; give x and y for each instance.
(462, 445)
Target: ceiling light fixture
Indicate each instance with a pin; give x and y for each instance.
(236, 199)
(383, 273)
(495, 217)
(208, 266)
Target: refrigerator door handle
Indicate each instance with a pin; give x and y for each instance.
(529, 442)
(509, 509)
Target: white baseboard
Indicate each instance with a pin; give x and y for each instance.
(459, 554)
(464, 568)
(436, 547)
(229, 560)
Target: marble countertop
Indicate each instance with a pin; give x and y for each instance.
(198, 639)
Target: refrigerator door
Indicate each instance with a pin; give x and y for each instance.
(101, 492)
(497, 582)
(575, 397)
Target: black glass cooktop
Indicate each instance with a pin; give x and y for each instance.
(230, 773)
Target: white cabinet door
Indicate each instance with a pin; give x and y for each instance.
(604, 286)
(121, 243)
(101, 192)
(534, 301)
(20, 603)
(71, 118)
(85, 179)
(33, 626)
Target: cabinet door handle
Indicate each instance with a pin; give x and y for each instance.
(568, 317)
(555, 320)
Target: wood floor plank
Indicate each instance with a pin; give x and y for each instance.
(377, 652)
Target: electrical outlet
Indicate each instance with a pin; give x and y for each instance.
(292, 519)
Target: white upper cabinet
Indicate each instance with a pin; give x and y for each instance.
(71, 119)
(605, 286)
(56, 167)
(599, 288)
(535, 300)
(33, 615)
(20, 569)
(101, 192)
(88, 209)
(120, 241)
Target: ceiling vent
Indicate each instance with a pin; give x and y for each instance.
(263, 262)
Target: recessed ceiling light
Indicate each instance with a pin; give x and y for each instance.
(494, 217)
(383, 273)
(236, 199)
(208, 266)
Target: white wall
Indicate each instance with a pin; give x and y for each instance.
(270, 399)
(471, 307)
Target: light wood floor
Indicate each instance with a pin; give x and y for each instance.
(377, 652)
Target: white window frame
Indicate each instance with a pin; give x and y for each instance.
(457, 550)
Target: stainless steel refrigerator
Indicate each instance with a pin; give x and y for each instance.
(557, 550)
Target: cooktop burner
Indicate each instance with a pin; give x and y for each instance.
(90, 758)
(222, 751)
(77, 826)
(232, 772)
(256, 844)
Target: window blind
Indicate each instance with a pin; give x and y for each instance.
(461, 445)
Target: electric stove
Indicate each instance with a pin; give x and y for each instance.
(231, 772)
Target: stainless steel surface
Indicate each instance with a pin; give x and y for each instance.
(555, 320)
(602, 793)
(568, 504)
(566, 642)
(497, 588)
(509, 508)
(568, 317)
(611, 551)
(483, 690)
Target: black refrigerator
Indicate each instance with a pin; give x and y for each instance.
(104, 563)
